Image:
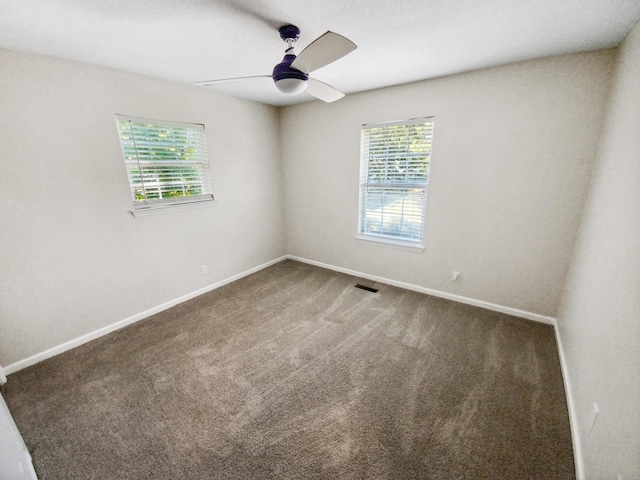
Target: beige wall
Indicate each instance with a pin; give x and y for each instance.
(599, 318)
(72, 258)
(513, 150)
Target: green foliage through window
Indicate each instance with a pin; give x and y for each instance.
(166, 162)
(394, 175)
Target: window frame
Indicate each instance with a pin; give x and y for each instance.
(366, 184)
(200, 165)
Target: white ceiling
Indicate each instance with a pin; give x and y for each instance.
(398, 42)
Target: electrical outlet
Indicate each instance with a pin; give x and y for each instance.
(204, 269)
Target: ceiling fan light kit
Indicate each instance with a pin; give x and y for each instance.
(291, 75)
(291, 85)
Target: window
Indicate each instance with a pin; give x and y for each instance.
(394, 174)
(166, 162)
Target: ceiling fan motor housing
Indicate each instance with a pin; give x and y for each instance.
(289, 80)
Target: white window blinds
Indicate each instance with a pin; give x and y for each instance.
(394, 175)
(166, 162)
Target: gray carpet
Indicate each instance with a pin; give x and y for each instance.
(293, 373)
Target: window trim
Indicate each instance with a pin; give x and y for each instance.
(381, 239)
(171, 208)
(390, 242)
(172, 204)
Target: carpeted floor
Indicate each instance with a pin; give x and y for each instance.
(293, 373)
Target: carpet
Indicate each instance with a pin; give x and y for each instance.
(293, 373)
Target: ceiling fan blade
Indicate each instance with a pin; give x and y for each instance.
(322, 91)
(220, 81)
(324, 50)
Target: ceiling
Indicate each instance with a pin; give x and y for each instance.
(398, 42)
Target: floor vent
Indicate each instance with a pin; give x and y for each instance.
(368, 289)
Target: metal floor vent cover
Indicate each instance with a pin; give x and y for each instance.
(368, 289)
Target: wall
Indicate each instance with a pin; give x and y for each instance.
(513, 149)
(599, 318)
(72, 257)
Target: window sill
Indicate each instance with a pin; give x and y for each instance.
(176, 207)
(388, 242)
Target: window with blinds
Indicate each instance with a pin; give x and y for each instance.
(166, 162)
(394, 175)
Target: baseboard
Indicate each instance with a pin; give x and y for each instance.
(26, 362)
(571, 407)
(436, 293)
(38, 357)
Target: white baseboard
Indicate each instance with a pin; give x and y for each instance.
(38, 357)
(26, 362)
(571, 406)
(436, 293)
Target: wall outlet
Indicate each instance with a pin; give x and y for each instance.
(204, 269)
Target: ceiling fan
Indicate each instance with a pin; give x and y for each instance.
(291, 76)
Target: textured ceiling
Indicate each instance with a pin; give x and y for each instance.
(398, 42)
